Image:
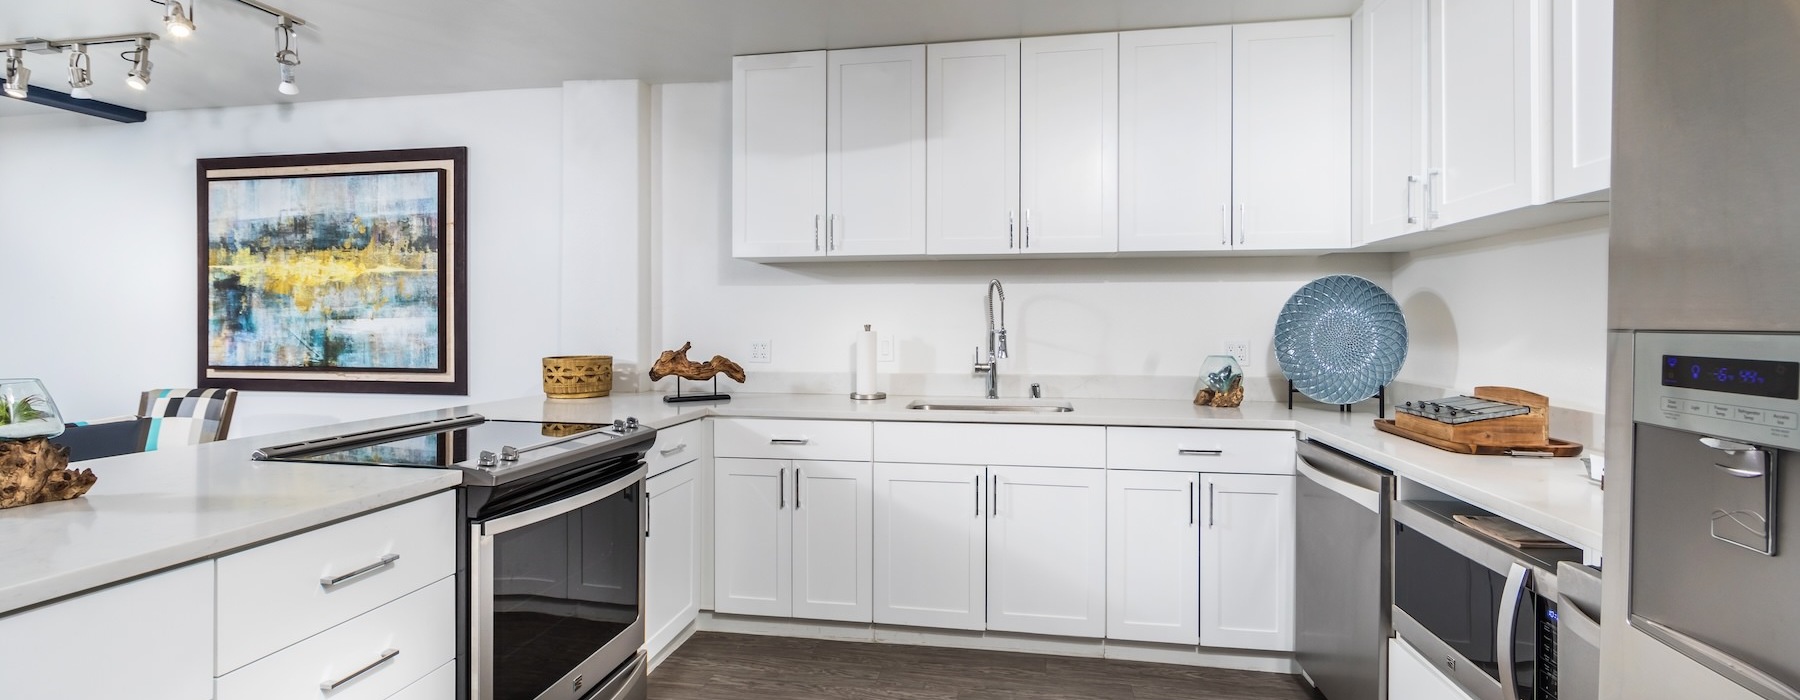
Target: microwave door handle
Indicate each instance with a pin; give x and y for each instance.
(1506, 629)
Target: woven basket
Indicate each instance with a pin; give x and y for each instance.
(577, 376)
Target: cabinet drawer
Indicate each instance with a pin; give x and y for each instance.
(274, 595)
(844, 441)
(1201, 450)
(676, 445)
(438, 685)
(969, 443)
(372, 656)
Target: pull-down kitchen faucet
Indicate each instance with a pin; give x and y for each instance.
(996, 340)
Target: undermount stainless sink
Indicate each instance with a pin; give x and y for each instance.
(991, 405)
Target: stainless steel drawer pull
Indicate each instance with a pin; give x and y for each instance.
(673, 450)
(386, 560)
(788, 441)
(386, 656)
(1200, 453)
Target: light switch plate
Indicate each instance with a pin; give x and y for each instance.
(884, 349)
(1239, 349)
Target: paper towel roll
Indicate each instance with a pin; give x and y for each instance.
(864, 382)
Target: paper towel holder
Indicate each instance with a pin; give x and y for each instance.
(877, 396)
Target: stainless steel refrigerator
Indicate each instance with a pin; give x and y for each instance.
(1704, 292)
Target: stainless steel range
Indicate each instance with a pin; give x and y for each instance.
(551, 551)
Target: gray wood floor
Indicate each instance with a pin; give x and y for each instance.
(714, 666)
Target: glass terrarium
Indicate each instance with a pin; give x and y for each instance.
(27, 411)
(1221, 382)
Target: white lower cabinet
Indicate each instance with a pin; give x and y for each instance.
(672, 555)
(1047, 551)
(437, 686)
(374, 655)
(1153, 557)
(931, 545)
(793, 539)
(150, 639)
(1411, 677)
(1247, 561)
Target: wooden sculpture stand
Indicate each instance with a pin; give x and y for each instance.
(676, 363)
(35, 471)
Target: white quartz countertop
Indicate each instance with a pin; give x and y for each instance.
(1552, 496)
(157, 510)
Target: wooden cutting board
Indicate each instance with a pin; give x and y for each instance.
(1556, 448)
(1508, 532)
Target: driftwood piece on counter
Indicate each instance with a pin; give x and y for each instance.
(1231, 398)
(676, 363)
(35, 471)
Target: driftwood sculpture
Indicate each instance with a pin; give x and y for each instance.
(35, 471)
(676, 363)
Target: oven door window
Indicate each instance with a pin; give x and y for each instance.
(1458, 601)
(563, 589)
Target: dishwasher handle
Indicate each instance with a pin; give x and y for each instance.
(1344, 475)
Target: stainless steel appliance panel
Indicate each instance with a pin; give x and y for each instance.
(1763, 420)
(1577, 632)
(1343, 587)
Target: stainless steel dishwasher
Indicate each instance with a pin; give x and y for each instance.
(1344, 593)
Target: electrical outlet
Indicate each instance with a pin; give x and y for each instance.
(759, 351)
(884, 349)
(1239, 349)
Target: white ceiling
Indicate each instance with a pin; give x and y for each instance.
(379, 48)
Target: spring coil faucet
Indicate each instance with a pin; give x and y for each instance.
(996, 340)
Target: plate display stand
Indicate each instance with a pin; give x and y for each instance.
(1380, 400)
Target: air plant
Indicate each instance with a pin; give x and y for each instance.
(24, 410)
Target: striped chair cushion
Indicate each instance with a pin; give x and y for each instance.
(186, 416)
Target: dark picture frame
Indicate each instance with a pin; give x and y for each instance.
(355, 285)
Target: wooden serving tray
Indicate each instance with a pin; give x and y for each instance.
(1556, 448)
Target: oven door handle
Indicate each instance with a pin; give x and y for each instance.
(562, 507)
(1506, 630)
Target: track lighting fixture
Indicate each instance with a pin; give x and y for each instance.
(179, 23)
(287, 55)
(80, 77)
(17, 75)
(139, 77)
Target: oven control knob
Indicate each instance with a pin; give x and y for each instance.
(619, 426)
(631, 423)
(509, 454)
(488, 459)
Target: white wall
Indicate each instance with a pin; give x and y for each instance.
(99, 226)
(1109, 327)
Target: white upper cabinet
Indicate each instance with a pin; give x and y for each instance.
(1175, 139)
(1390, 118)
(972, 147)
(1489, 107)
(876, 151)
(1582, 63)
(778, 155)
(1047, 551)
(1247, 561)
(1069, 143)
(1291, 135)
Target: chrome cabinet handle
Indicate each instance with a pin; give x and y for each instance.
(1506, 629)
(386, 656)
(831, 232)
(1242, 215)
(1211, 509)
(330, 581)
(1431, 212)
(1193, 502)
(1224, 225)
(1011, 227)
(994, 496)
(1199, 453)
(796, 488)
(781, 489)
(789, 441)
(1027, 227)
(673, 450)
(815, 232)
(977, 495)
(1409, 188)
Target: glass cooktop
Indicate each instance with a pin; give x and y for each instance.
(447, 448)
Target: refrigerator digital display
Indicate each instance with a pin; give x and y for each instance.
(1767, 378)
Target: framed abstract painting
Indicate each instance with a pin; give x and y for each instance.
(341, 272)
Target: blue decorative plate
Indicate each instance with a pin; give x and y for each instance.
(1340, 339)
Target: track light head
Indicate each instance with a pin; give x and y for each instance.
(180, 23)
(18, 76)
(287, 55)
(80, 77)
(139, 77)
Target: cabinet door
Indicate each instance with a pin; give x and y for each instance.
(832, 536)
(1411, 677)
(972, 147)
(930, 545)
(672, 555)
(1247, 562)
(753, 537)
(1069, 143)
(1175, 139)
(778, 155)
(876, 152)
(1390, 118)
(150, 639)
(1047, 551)
(1582, 65)
(1153, 557)
(1487, 118)
(1291, 134)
